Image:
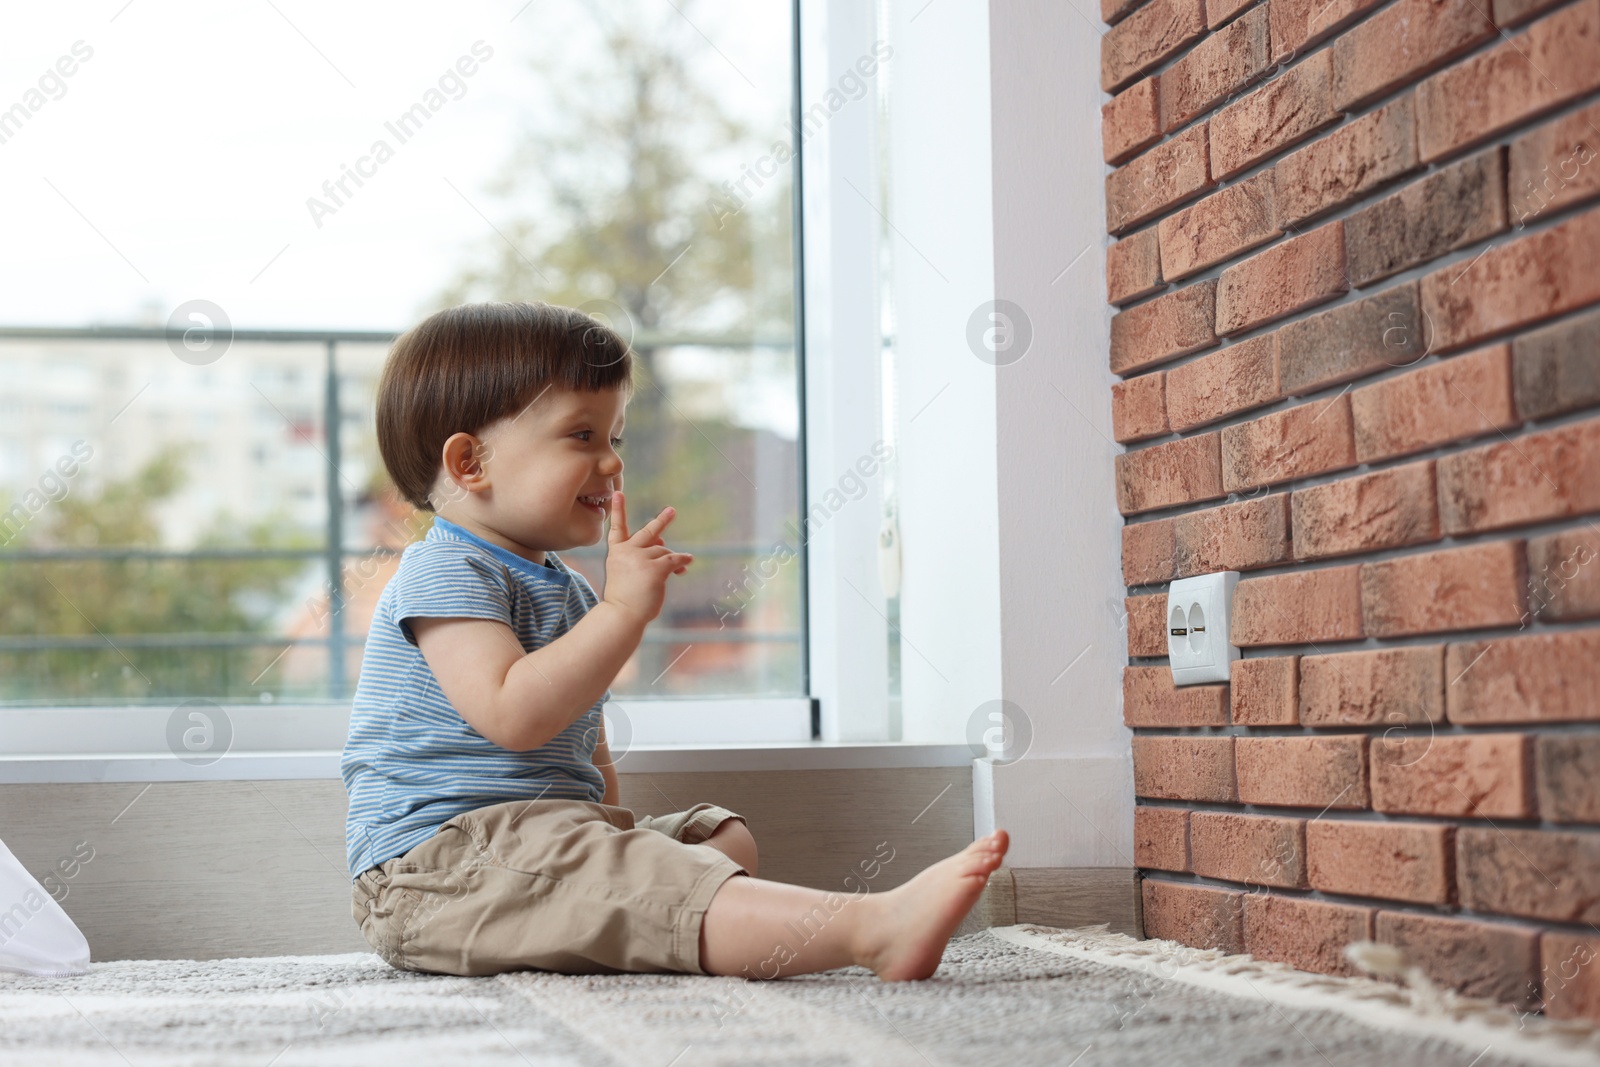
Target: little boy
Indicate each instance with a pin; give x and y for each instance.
(484, 831)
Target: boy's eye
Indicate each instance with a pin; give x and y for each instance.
(616, 442)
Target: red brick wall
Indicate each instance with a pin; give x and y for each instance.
(1357, 274)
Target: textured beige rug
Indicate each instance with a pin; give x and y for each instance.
(1015, 995)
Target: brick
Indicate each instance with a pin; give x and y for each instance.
(1184, 768)
(1436, 404)
(1307, 934)
(1541, 874)
(1351, 341)
(1539, 476)
(1401, 43)
(1563, 577)
(1276, 116)
(1348, 163)
(1161, 838)
(1133, 267)
(1377, 688)
(1139, 407)
(1162, 177)
(1220, 11)
(1550, 165)
(1295, 608)
(1475, 776)
(1515, 284)
(1193, 915)
(1299, 24)
(1569, 978)
(1298, 273)
(1231, 220)
(1236, 378)
(1394, 861)
(1264, 691)
(1491, 960)
(1146, 619)
(1129, 122)
(1150, 699)
(1163, 329)
(1221, 64)
(1567, 774)
(1556, 60)
(1234, 537)
(1179, 472)
(1470, 588)
(1147, 624)
(1538, 678)
(1386, 509)
(1556, 369)
(1297, 442)
(1114, 11)
(1146, 37)
(1147, 552)
(1454, 206)
(1303, 772)
(1253, 849)
(1509, 13)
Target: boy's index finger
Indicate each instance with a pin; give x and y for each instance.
(653, 528)
(619, 518)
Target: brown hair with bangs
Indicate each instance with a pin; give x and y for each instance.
(463, 368)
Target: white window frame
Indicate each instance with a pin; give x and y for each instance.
(846, 623)
(281, 741)
(845, 643)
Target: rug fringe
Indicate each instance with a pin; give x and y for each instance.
(1418, 1007)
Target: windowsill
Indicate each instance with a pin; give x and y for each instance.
(640, 759)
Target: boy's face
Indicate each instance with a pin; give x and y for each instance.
(539, 462)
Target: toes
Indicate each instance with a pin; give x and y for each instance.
(990, 842)
(984, 863)
(985, 854)
(996, 843)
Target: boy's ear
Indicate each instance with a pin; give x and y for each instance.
(462, 462)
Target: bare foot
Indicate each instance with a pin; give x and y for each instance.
(904, 936)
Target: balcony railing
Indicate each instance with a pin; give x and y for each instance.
(333, 553)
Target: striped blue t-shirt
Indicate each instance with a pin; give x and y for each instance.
(411, 762)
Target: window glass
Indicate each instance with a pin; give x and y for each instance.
(222, 214)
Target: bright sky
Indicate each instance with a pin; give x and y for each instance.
(177, 161)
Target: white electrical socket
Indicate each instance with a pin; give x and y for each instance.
(1198, 611)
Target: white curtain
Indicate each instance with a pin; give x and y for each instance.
(36, 936)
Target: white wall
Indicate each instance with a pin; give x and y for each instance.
(1012, 585)
(1060, 584)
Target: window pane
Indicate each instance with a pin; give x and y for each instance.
(296, 184)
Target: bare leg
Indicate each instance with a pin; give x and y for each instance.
(733, 839)
(762, 929)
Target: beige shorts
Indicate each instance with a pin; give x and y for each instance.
(555, 885)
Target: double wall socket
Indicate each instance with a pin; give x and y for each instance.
(1198, 611)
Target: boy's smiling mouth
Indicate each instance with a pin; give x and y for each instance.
(598, 501)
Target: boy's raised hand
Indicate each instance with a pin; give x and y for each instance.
(637, 564)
